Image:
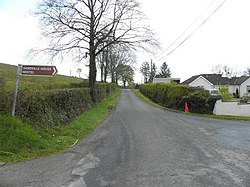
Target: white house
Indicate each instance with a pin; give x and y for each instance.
(236, 85)
(165, 80)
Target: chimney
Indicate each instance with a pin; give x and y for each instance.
(229, 75)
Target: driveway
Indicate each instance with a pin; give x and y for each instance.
(143, 146)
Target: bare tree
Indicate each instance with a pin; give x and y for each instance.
(119, 55)
(247, 71)
(225, 70)
(103, 65)
(111, 58)
(126, 74)
(80, 27)
(217, 69)
(79, 70)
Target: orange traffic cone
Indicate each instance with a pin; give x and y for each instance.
(186, 107)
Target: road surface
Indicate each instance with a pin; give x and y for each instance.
(143, 146)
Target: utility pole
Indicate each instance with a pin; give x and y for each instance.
(151, 72)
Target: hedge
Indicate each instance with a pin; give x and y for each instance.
(53, 107)
(174, 96)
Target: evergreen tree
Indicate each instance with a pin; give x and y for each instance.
(165, 71)
(153, 70)
(145, 70)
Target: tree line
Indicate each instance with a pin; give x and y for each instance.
(228, 70)
(150, 71)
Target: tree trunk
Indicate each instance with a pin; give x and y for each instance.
(116, 79)
(92, 70)
(113, 76)
(105, 73)
(92, 77)
(92, 64)
(102, 71)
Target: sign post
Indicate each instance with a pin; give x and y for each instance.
(31, 70)
(16, 89)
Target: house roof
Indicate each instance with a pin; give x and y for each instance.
(217, 79)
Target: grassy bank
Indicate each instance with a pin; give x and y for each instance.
(147, 100)
(19, 141)
(8, 73)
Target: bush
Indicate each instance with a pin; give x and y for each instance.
(225, 94)
(197, 102)
(4, 102)
(53, 107)
(245, 99)
(211, 102)
(56, 107)
(174, 96)
(102, 90)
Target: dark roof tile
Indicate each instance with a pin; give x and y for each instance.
(217, 79)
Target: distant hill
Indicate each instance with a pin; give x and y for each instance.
(8, 73)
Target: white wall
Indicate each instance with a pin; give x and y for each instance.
(243, 87)
(200, 81)
(161, 80)
(231, 108)
(164, 80)
(232, 89)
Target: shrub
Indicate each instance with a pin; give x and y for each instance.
(225, 94)
(4, 102)
(52, 107)
(174, 96)
(211, 102)
(56, 107)
(197, 102)
(245, 99)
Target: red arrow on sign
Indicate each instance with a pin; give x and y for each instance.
(33, 70)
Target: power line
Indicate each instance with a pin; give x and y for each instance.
(186, 29)
(191, 32)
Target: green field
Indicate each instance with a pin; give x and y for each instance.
(8, 73)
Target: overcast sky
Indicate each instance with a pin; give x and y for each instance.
(223, 39)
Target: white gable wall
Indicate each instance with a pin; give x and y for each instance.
(202, 82)
(244, 88)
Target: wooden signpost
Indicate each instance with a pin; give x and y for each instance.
(31, 70)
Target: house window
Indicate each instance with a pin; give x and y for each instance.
(248, 88)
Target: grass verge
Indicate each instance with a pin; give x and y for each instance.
(147, 100)
(226, 117)
(19, 141)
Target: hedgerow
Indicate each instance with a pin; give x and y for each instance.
(174, 96)
(53, 107)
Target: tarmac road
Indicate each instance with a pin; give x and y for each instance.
(143, 146)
